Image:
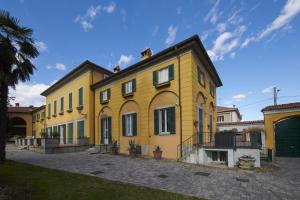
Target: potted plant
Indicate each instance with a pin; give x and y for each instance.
(115, 147)
(132, 148)
(246, 162)
(157, 153)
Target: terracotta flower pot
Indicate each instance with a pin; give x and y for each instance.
(157, 155)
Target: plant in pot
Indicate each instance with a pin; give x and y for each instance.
(157, 153)
(132, 148)
(115, 147)
(246, 162)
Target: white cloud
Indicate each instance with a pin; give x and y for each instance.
(232, 55)
(268, 89)
(28, 94)
(239, 97)
(58, 66)
(41, 46)
(125, 59)
(155, 30)
(221, 27)
(109, 8)
(213, 15)
(86, 21)
(247, 41)
(289, 11)
(172, 31)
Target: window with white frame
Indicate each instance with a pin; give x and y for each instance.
(163, 75)
(129, 125)
(104, 96)
(128, 87)
(163, 121)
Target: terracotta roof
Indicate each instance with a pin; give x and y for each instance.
(82, 67)
(38, 108)
(228, 109)
(20, 109)
(241, 123)
(193, 42)
(282, 106)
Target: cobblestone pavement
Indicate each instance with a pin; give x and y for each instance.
(174, 176)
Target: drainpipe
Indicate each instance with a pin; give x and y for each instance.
(179, 95)
(93, 103)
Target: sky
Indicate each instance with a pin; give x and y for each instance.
(254, 45)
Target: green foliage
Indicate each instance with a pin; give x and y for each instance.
(253, 130)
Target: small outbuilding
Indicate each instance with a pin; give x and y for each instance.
(282, 128)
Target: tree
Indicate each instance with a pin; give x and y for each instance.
(17, 48)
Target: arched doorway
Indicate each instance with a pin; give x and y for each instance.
(17, 127)
(287, 137)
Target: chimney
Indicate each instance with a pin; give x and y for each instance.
(146, 54)
(17, 105)
(233, 106)
(117, 69)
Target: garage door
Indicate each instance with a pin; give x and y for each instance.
(287, 136)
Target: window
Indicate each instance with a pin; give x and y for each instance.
(128, 87)
(70, 100)
(129, 124)
(105, 76)
(54, 107)
(164, 121)
(49, 110)
(80, 129)
(211, 89)
(70, 133)
(201, 77)
(80, 97)
(105, 96)
(220, 119)
(62, 105)
(163, 76)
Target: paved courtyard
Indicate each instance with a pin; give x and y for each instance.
(206, 182)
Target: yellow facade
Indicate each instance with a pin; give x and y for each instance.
(271, 118)
(38, 121)
(27, 117)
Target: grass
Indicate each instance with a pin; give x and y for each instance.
(23, 181)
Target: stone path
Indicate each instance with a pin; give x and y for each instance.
(205, 182)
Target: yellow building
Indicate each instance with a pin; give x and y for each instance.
(70, 104)
(282, 127)
(38, 121)
(160, 101)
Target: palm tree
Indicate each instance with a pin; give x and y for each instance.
(17, 48)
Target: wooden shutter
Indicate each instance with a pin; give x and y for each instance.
(156, 122)
(123, 89)
(108, 94)
(123, 125)
(133, 85)
(70, 133)
(80, 97)
(62, 104)
(134, 124)
(200, 122)
(70, 100)
(171, 72)
(109, 129)
(155, 78)
(54, 107)
(102, 131)
(171, 120)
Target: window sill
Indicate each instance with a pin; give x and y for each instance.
(70, 110)
(129, 135)
(104, 102)
(79, 108)
(128, 95)
(61, 113)
(164, 84)
(48, 117)
(54, 115)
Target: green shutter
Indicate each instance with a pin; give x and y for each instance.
(101, 94)
(62, 104)
(80, 129)
(200, 122)
(102, 131)
(171, 120)
(80, 96)
(155, 78)
(70, 101)
(171, 72)
(156, 122)
(133, 85)
(109, 130)
(123, 125)
(54, 107)
(70, 133)
(108, 94)
(134, 124)
(123, 89)
(49, 110)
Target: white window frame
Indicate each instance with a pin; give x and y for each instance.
(128, 87)
(128, 124)
(163, 113)
(163, 75)
(105, 94)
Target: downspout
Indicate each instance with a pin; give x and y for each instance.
(93, 103)
(179, 96)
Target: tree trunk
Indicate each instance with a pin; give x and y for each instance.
(3, 119)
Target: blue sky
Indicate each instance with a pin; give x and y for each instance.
(254, 44)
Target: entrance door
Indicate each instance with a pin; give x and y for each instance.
(62, 134)
(106, 135)
(200, 125)
(287, 137)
